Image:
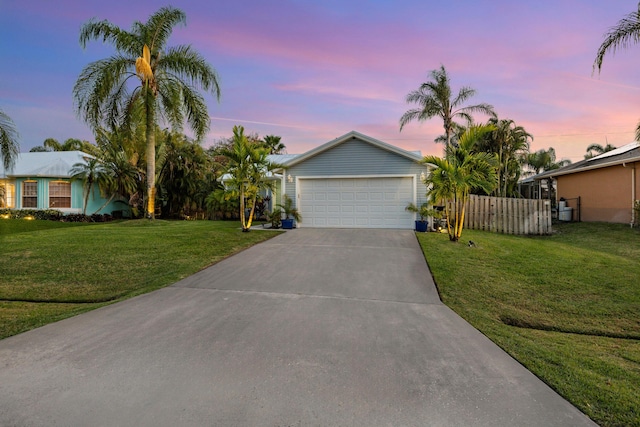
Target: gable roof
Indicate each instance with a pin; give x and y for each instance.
(626, 154)
(49, 164)
(295, 159)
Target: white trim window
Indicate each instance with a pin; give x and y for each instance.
(30, 195)
(59, 194)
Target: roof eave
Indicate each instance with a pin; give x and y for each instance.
(351, 135)
(560, 172)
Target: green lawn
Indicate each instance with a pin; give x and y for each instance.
(52, 270)
(567, 306)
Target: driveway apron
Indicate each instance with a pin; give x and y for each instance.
(311, 328)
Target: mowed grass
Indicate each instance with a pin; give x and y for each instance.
(50, 270)
(566, 306)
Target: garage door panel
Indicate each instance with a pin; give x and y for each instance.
(356, 202)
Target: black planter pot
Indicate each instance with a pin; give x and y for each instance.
(421, 226)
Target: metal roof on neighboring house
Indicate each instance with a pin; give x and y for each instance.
(626, 154)
(52, 164)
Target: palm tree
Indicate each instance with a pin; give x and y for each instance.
(462, 169)
(248, 167)
(121, 157)
(273, 144)
(184, 165)
(542, 161)
(434, 98)
(9, 147)
(71, 144)
(510, 143)
(597, 149)
(166, 79)
(90, 173)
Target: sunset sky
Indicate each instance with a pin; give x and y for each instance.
(311, 71)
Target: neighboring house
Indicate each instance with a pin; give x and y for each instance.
(354, 181)
(41, 180)
(607, 185)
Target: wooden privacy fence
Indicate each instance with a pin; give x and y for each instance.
(509, 216)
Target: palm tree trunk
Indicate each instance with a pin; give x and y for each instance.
(461, 225)
(151, 153)
(253, 209)
(105, 203)
(86, 198)
(242, 207)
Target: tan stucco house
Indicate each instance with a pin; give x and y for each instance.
(607, 186)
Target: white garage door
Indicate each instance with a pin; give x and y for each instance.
(356, 202)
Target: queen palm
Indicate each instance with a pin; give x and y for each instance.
(9, 147)
(462, 170)
(434, 98)
(145, 77)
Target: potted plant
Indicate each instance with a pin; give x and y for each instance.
(290, 213)
(424, 212)
(275, 217)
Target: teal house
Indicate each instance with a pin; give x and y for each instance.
(42, 180)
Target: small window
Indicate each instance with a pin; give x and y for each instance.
(59, 194)
(30, 194)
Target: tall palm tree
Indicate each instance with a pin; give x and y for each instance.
(9, 146)
(434, 98)
(597, 149)
(145, 77)
(510, 143)
(462, 169)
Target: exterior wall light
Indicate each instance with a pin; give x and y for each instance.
(289, 178)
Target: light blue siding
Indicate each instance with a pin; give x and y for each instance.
(355, 157)
(94, 203)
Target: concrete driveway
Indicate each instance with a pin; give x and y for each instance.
(312, 328)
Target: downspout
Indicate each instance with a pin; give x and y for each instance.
(633, 192)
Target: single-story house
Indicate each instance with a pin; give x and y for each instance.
(42, 180)
(354, 181)
(606, 186)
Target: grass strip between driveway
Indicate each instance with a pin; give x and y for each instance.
(51, 270)
(566, 306)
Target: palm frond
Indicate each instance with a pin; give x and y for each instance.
(9, 146)
(622, 35)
